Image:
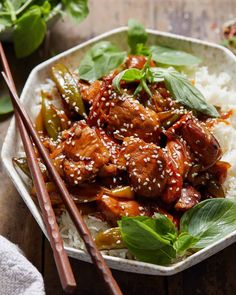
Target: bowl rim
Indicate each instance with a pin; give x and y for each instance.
(125, 264)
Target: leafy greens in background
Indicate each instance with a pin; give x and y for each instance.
(158, 241)
(28, 19)
(5, 105)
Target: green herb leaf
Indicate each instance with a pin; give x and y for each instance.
(136, 35)
(29, 32)
(183, 91)
(102, 58)
(169, 56)
(184, 242)
(5, 21)
(10, 8)
(128, 75)
(144, 242)
(5, 105)
(46, 8)
(78, 9)
(141, 49)
(17, 3)
(210, 221)
(165, 227)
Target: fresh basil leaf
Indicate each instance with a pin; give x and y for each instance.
(210, 221)
(169, 56)
(141, 49)
(78, 9)
(184, 242)
(100, 60)
(17, 3)
(5, 21)
(183, 91)
(165, 227)
(5, 105)
(45, 8)
(128, 75)
(141, 238)
(29, 32)
(10, 8)
(136, 35)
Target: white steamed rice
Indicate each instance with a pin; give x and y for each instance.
(216, 90)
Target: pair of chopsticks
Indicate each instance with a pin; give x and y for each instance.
(62, 262)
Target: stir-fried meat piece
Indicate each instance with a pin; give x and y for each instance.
(189, 197)
(78, 172)
(178, 164)
(137, 61)
(90, 92)
(212, 189)
(82, 154)
(146, 166)
(109, 170)
(57, 157)
(113, 209)
(219, 171)
(178, 152)
(85, 144)
(112, 146)
(128, 117)
(216, 173)
(202, 142)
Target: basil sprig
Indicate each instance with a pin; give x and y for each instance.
(102, 58)
(178, 85)
(133, 74)
(157, 240)
(136, 35)
(183, 91)
(144, 240)
(210, 221)
(137, 38)
(172, 57)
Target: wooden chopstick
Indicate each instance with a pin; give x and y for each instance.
(60, 256)
(96, 256)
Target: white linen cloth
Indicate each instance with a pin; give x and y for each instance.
(17, 275)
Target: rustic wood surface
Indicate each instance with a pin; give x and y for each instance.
(202, 19)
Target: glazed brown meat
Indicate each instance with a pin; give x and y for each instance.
(143, 149)
(127, 117)
(146, 166)
(178, 164)
(85, 144)
(82, 154)
(113, 209)
(137, 61)
(90, 92)
(189, 197)
(202, 142)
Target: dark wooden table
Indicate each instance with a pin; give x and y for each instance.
(202, 19)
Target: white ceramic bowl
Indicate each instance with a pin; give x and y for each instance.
(217, 58)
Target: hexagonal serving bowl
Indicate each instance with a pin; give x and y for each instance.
(217, 58)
